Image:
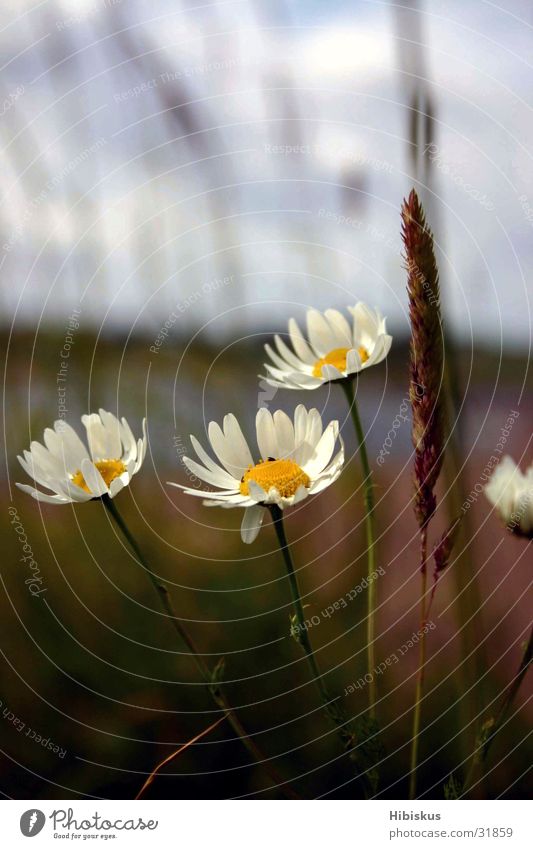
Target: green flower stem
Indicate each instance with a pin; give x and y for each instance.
(481, 755)
(212, 685)
(303, 636)
(421, 665)
(332, 708)
(347, 386)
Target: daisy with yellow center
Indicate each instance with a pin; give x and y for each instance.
(295, 461)
(335, 349)
(73, 471)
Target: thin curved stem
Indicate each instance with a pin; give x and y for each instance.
(331, 706)
(212, 686)
(347, 386)
(303, 636)
(421, 665)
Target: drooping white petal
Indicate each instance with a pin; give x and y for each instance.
(251, 523)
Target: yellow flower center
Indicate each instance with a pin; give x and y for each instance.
(109, 469)
(285, 476)
(337, 358)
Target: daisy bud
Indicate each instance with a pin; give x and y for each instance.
(426, 355)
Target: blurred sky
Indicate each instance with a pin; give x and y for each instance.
(234, 161)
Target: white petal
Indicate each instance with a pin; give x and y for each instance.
(93, 479)
(128, 441)
(323, 451)
(299, 344)
(96, 437)
(279, 361)
(219, 497)
(284, 434)
(34, 470)
(288, 355)
(113, 431)
(354, 363)
(235, 457)
(340, 327)
(330, 372)
(288, 501)
(366, 325)
(46, 463)
(229, 480)
(321, 336)
(72, 450)
(277, 373)
(117, 485)
(314, 427)
(266, 434)
(300, 380)
(256, 492)
(251, 523)
(330, 474)
(141, 453)
(217, 478)
(42, 496)
(226, 504)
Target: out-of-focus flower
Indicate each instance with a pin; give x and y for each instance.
(511, 492)
(296, 461)
(72, 472)
(334, 350)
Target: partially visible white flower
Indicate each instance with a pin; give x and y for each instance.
(334, 350)
(295, 461)
(72, 472)
(511, 492)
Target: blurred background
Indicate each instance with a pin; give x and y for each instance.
(179, 179)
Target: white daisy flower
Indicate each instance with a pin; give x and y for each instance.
(74, 473)
(511, 492)
(296, 461)
(334, 350)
